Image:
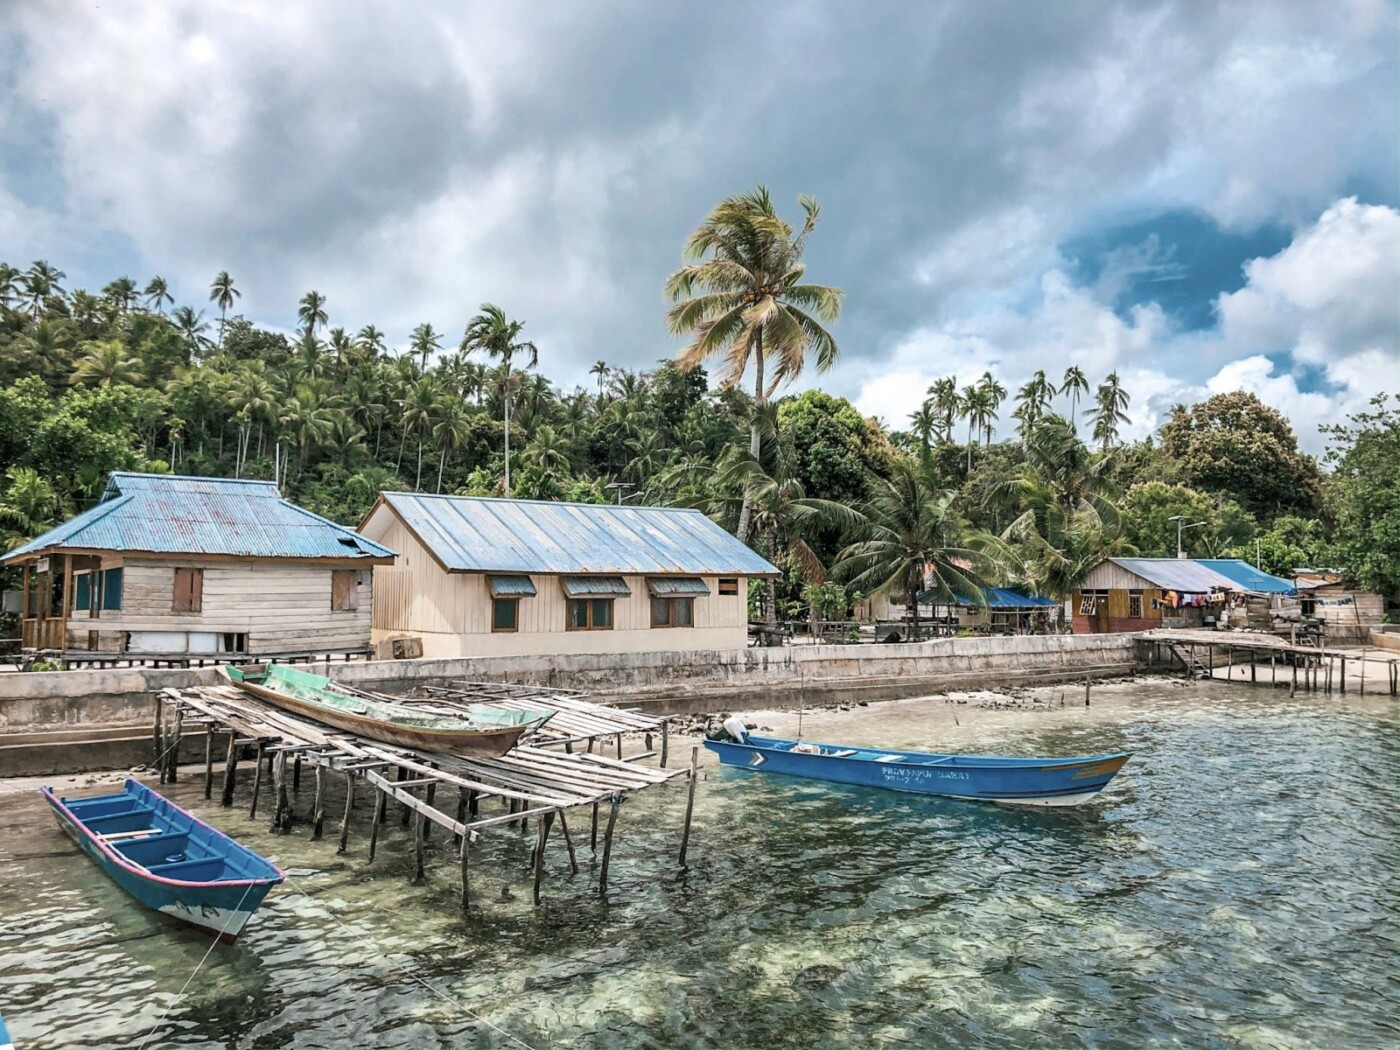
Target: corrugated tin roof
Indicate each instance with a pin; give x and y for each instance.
(479, 534)
(512, 586)
(998, 598)
(1248, 577)
(595, 586)
(1178, 574)
(171, 514)
(666, 586)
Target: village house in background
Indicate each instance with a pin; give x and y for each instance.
(1140, 594)
(496, 577)
(1347, 615)
(165, 564)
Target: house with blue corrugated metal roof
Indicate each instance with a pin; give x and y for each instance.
(165, 564)
(1139, 594)
(484, 577)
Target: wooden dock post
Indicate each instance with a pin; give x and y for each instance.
(607, 842)
(665, 741)
(593, 834)
(172, 754)
(430, 795)
(695, 775)
(1342, 685)
(158, 745)
(466, 882)
(209, 761)
(619, 747)
(296, 773)
(257, 782)
(230, 770)
(541, 837)
(1086, 695)
(1253, 667)
(568, 843)
(418, 871)
(1230, 663)
(461, 811)
(403, 817)
(349, 805)
(381, 797)
(473, 803)
(318, 806)
(282, 819)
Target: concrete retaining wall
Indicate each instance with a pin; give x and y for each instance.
(122, 696)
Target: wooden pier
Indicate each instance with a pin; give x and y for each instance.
(1306, 668)
(534, 780)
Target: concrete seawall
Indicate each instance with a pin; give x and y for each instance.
(33, 705)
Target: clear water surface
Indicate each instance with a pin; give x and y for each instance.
(1236, 887)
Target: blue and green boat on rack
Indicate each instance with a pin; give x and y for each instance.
(983, 778)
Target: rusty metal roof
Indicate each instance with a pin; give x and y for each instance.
(1178, 574)
(479, 534)
(172, 514)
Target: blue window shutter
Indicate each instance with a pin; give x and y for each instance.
(112, 590)
(82, 592)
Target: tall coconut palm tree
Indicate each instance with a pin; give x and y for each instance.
(451, 429)
(40, 283)
(546, 451)
(1108, 413)
(106, 364)
(122, 292)
(912, 541)
(993, 394)
(599, 369)
(158, 295)
(925, 423)
(311, 312)
(223, 294)
(491, 332)
(52, 344)
(370, 341)
(340, 345)
(192, 328)
(419, 407)
(424, 342)
(943, 394)
(974, 406)
(9, 285)
(742, 298)
(1074, 384)
(1034, 401)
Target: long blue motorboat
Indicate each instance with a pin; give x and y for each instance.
(5, 1043)
(1010, 781)
(168, 859)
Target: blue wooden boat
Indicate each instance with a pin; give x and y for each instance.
(5, 1043)
(1012, 781)
(168, 859)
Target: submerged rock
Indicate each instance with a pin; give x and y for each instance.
(818, 976)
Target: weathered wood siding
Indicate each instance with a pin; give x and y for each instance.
(281, 607)
(451, 612)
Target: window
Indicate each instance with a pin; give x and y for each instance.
(590, 614)
(505, 614)
(672, 612)
(189, 591)
(1134, 605)
(112, 590)
(345, 590)
(1089, 602)
(728, 585)
(234, 642)
(82, 592)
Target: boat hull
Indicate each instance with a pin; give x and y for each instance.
(1008, 781)
(219, 908)
(493, 740)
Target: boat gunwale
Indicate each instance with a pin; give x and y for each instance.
(141, 872)
(988, 762)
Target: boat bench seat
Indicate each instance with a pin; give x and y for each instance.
(132, 812)
(890, 758)
(844, 753)
(183, 869)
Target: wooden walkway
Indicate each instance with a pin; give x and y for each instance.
(529, 781)
(1309, 668)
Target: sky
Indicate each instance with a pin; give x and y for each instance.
(1203, 197)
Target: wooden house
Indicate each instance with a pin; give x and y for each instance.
(496, 577)
(164, 564)
(1139, 594)
(1347, 614)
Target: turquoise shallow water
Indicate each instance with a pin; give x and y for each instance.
(1236, 887)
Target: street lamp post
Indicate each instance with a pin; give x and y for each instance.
(1179, 518)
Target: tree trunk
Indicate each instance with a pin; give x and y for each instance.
(969, 446)
(915, 584)
(746, 509)
(403, 437)
(418, 480)
(442, 461)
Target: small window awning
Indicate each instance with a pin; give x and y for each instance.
(676, 586)
(510, 586)
(594, 586)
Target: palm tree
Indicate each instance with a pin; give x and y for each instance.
(222, 294)
(425, 342)
(993, 394)
(106, 364)
(28, 507)
(370, 341)
(452, 428)
(546, 450)
(492, 332)
(306, 421)
(122, 292)
(158, 295)
(913, 541)
(419, 404)
(40, 282)
(192, 327)
(1070, 521)
(925, 422)
(1074, 384)
(943, 393)
(1034, 398)
(311, 312)
(599, 369)
(1107, 414)
(973, 406)
(742, 299)
(253, 399)
(52, 343)
(9, 284)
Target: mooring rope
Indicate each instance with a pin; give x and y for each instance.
(214, 943)
(403, 969)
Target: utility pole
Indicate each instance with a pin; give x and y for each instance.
(1179, 518)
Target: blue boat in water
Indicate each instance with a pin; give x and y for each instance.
(168, 859)
(5, 1043)
(1012, 781)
